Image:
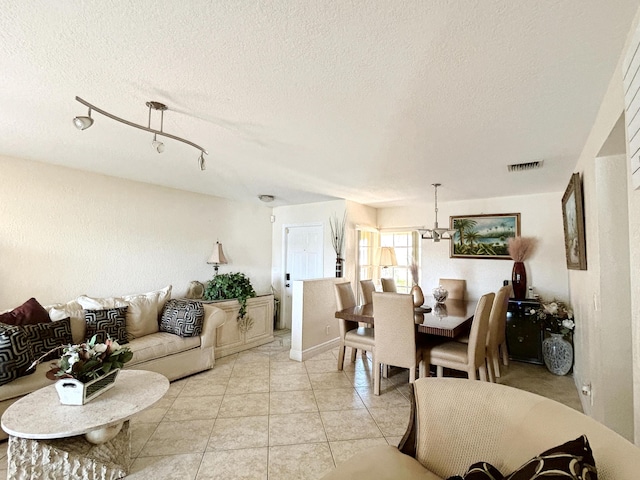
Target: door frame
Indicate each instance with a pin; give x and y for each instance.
(283, 303)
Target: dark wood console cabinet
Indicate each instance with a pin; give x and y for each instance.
(524, 331)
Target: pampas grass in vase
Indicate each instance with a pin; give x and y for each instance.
(520, 249)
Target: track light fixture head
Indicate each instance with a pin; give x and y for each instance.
(82, 123)
(157, 145)
(202, 163)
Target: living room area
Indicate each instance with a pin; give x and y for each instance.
(100, 213)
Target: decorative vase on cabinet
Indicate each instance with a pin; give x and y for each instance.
(558, 354)
(519, 281)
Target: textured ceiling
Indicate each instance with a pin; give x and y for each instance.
(369, 100)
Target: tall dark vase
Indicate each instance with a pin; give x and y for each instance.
(338, 267)
(519, 281)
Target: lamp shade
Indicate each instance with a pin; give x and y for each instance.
(387, 257)
(217, 257)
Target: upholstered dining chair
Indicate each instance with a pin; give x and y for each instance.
(395, 336)
(388, 285)
(351, 335)
(457, 288)
(496, 332)
(497, 339)
(367, 287)
(470, 357)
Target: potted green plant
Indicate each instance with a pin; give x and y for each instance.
(228, 286)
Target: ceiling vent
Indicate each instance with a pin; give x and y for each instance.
(521, 167)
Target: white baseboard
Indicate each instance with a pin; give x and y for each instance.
(302, 355)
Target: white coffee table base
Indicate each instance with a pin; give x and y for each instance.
(71, 457)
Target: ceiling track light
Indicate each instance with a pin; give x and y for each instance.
(82, 123)
(436, 234)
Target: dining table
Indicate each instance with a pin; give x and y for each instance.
(446, 319)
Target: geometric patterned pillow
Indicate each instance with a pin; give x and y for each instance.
(480, 471)
(182, 317)
(45, 336)
(110, 322)
(571, 460)
(15, 353)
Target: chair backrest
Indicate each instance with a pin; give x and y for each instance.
(388, 285)
(395, 329)
(479, 327)
(498, 317)
(457, 288)
(515, 426)
(344, 295)
(367, 288)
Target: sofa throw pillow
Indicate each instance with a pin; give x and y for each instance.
(74, 311)
(182, 317)
(96, 303)
(43, 337)
(15, 353)
(480, 471)
(29, 313)
(110, 322)
(572, 460)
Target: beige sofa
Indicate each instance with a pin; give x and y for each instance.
(457, 422)
(171, 355)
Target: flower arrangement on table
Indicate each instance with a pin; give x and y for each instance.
(556, 317)
(90, 360)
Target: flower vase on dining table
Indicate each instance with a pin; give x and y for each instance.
(418, 296)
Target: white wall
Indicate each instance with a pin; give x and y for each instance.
(606, 363)
(540, 217)
(64, 233)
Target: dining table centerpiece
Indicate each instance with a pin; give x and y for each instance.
(557, 321)
(416, 291)
(87, 370)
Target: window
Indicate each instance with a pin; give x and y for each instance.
(406, 246)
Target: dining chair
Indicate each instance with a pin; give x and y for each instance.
(457, 288)
(388, 285)
(351, 335)
(455, 355)
(496, 332)
(395, 336)
(367, 287)
(497, 339)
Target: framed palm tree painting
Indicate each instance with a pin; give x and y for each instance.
(483, 236)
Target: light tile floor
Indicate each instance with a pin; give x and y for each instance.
(259, 415)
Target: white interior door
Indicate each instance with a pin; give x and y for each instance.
(303, 257)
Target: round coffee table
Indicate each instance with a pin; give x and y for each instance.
(79, 439)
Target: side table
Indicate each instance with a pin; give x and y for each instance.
(91, 441)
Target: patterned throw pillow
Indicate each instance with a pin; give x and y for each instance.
(15, 353)
(572, 460)
(45, 336)
(182, 317)
(480, 471)
(110, 322)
